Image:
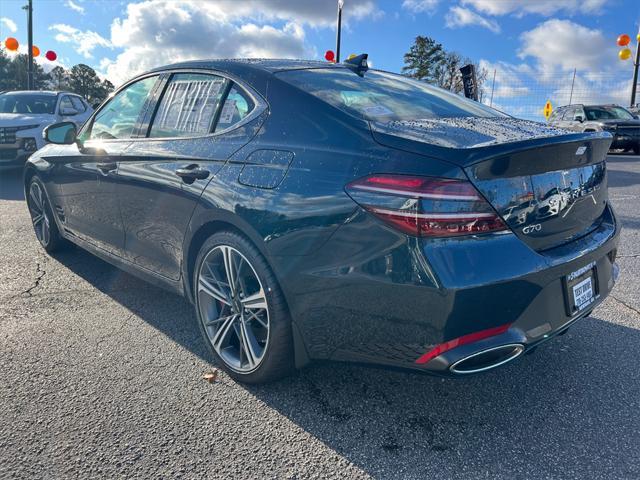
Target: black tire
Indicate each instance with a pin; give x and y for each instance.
(636, 150)
(277, 360)
(39, 207)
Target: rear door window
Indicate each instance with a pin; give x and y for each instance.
(237, 106)
(188, 105)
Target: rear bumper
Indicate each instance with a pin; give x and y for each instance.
(395, 298)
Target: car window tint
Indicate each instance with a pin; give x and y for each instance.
(237, 106)
(188, 105)
(118, 117)
(65, 102)
(78, 104)
(384, 97)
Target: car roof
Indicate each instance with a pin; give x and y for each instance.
(39, 92)
(264, 64)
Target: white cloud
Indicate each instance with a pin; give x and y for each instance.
(420, 6)
(541, 7)
(462, 17)
(75, 7)
(158, 33)
(566, 45)
(84, 42)
(8, 24)
(312, 12)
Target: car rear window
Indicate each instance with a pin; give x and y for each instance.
(381, 96)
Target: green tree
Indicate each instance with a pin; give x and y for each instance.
(14, 74)
(423, 59)
(82, 80)
(59, 78)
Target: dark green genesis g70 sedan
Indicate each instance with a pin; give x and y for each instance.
(327, 211)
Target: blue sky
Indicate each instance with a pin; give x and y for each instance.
(534, 45)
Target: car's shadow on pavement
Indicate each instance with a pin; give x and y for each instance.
(11, 185)
(572, 407)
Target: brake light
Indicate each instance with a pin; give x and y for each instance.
(426, 206)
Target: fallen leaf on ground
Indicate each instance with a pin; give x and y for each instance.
(211, 376)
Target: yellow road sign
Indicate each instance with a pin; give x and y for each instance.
(547, 110)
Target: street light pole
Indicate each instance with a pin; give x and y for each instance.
(634, 86)
(29, 8)
(340, 5)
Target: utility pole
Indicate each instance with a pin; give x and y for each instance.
(634, 86)
(493, 86)
(29, 9)
(340, 5)
(572, 83)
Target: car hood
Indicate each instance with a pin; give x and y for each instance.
(21, 119)
(618, 122)
(466, 132)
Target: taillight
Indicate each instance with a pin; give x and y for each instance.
(426, 206)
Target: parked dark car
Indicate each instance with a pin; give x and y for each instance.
(617, 120)
(320, 211)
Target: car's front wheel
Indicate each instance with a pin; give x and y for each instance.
(241, 310)
(42, 219)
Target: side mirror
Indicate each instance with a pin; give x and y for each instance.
(63, 133)
(578, 118)
(68, 112)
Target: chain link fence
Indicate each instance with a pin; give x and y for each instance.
(523, 93)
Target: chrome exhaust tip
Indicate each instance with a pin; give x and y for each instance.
(487, 359)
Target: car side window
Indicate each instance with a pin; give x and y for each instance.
(568, 114)
(119, 116)
(188, 105)
(237, 106)
(78, 104)
(65, 103)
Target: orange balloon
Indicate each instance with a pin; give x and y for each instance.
(11, 44)
(623, 40)
(36, 51)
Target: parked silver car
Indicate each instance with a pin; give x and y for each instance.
(617, 120)
(25, 114)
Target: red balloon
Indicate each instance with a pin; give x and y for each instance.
(51, 55)
(330, 56)
(623, 40)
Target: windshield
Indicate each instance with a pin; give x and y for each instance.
(607, 113)
(384, 97)
(27, 103)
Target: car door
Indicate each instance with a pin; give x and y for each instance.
(87, 174)
(83, 111)
(164, 172)
(569, 120)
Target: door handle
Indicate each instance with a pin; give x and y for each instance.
(191, 173)
(106, 167)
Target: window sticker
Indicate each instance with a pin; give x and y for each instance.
(188, 106)
(229, 109)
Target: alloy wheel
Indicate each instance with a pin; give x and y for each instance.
(39, 216)
(233, 308)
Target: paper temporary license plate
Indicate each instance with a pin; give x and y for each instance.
(583, 293)
(581, 288)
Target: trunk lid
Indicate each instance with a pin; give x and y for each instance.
(548, 185)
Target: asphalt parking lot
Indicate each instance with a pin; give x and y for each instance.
(101, 377)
